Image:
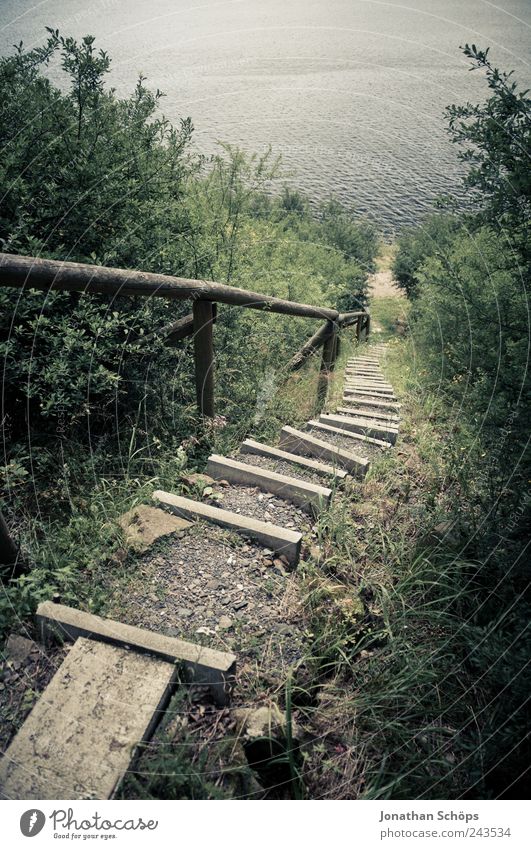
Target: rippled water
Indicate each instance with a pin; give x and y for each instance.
(351, 93)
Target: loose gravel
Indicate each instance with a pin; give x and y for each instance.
(355, 446)
(282, 467)
(215, 588)
(250, 501)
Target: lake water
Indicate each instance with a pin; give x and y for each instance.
(351, 93)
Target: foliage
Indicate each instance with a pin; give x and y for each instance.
(431, 238)
(496, 137)
(469, 278)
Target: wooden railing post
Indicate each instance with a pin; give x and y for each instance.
(204, 357)
(8, 549)
(328, 361)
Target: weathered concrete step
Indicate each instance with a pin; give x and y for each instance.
(370, 392)
(383, 386)
(357, 437)
(362, 366)
(365, 372)
(365, 426)
(366, 414)
(300, 492)
(364, 378)
(250, 446)
(80, 737)
(298, 441)
(359, 398)
(200, 665)
(281, 540)
(372, 372)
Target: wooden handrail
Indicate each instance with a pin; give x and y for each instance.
(54, 275)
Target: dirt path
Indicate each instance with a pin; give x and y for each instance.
(382, 283)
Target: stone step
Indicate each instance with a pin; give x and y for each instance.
(359, 398)
(298, 442)
(356, 437)
(81, 736)
(280, 540)
(366, 414)
(199, 664)
(367, 427)
(250, 446)
(300, 492)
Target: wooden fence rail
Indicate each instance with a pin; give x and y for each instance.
(26, 272)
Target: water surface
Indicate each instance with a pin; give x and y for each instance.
(351, 93)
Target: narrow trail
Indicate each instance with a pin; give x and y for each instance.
(216, 607)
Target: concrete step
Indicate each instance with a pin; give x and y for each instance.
(199, 664)
(303, 493)
(370, 392)
(382, 386)
(367, 427)
(298, 442)
(81, 736)
(356, 437)
(365, 378)
(359, 398)
(280, 540)
(250, 446)
(366, 414)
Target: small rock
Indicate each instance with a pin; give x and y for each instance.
(197, 479)
(185, 612)
(18, 649)
(239, 605)
(223, 483)
(225, 622)
(208, 490)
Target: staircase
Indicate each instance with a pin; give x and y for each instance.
(115, 683)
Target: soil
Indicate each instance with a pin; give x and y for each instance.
(21, 682)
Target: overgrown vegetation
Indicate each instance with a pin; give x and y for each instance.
(469, 279)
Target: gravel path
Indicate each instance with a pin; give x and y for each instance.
(355, 446)
(250, 501)
(284, 468)
(215, 588)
